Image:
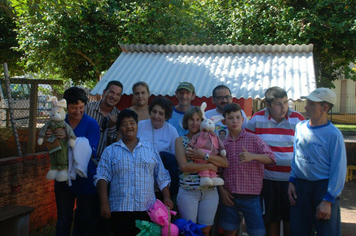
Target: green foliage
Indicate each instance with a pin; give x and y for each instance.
(8, 40)
(79, 40)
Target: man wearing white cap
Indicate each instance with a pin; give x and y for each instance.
(318, 169)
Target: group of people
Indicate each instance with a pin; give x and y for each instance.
(278, 168)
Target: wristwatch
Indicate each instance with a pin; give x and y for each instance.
(206, 157)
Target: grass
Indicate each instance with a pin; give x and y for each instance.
(343, 127)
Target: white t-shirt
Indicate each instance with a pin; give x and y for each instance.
(219, 125)
(163, 138)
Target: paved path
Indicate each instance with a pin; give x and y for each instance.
(348, 209)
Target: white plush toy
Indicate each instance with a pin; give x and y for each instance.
(57, 148)
(207, 141)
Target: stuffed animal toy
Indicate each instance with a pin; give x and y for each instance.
(57, 148)
(207, 141)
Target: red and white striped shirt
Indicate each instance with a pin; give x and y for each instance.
(245, 178)
(280, 138)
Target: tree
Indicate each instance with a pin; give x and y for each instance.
(8, 40)
(80, 39)
(329, 25)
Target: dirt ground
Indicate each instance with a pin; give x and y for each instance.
(348, 209)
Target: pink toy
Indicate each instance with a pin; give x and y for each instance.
(207, 141)
(161, 215)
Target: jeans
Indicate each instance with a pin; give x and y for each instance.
(302, 215)
(86, 215)
(250, 206)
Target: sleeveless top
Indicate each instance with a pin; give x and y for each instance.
(189, 180)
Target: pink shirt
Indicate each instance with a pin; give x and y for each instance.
(245, 178)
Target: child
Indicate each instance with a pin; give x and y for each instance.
(247, 154)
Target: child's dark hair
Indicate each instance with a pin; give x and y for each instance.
(231, 107)
(166, 105)
(74, 94)
(126, 113)
(273, 93)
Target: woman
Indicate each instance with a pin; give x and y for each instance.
(141, 94)
(196, 203)
(83, 191)
(156, 130)
(162, 135)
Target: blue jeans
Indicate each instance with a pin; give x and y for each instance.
(250, 206)
(86, 215)
(302, 215)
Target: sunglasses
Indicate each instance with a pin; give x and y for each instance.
(104, 124)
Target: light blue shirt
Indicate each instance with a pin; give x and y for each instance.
(320, 153)
(131, 176)
(177, 121)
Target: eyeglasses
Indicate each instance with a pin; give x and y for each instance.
(104, 124)
(220, 98)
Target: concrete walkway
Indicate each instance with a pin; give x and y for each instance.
(348, 209)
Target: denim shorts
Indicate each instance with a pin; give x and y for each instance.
(250, 207)
(198, 205)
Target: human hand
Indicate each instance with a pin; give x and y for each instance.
(213, 167)
(323, 211)
(60, 133)
(168, 202)
(195, 154)
(292, 195)
(225, 197)
(245, 156)
(112, 120)
(105, 211)
(49, 132)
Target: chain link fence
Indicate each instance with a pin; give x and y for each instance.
(23, 116)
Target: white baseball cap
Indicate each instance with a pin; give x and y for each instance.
(321, 95)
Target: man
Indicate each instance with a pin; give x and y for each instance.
(185, 93)
(276, 125)
(318, 169)
(221, 96)
(131, 167)
(105, 113)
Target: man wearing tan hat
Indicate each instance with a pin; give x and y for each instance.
(185, 93)
(318, 169)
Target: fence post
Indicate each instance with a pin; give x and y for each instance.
(31, 142)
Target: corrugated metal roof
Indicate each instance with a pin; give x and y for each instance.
(248, 70)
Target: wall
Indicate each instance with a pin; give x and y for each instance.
(23, 183)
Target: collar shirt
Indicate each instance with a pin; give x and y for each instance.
(245, 178)
(131, 176)
(280, 138)
(107, 135)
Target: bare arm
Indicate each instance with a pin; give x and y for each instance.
(102, 187)
(216, 160)
(167, 197)
(186, 166)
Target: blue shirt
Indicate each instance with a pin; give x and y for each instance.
(89, 128)
(132, 176)
(177, 121)
(320, 153)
